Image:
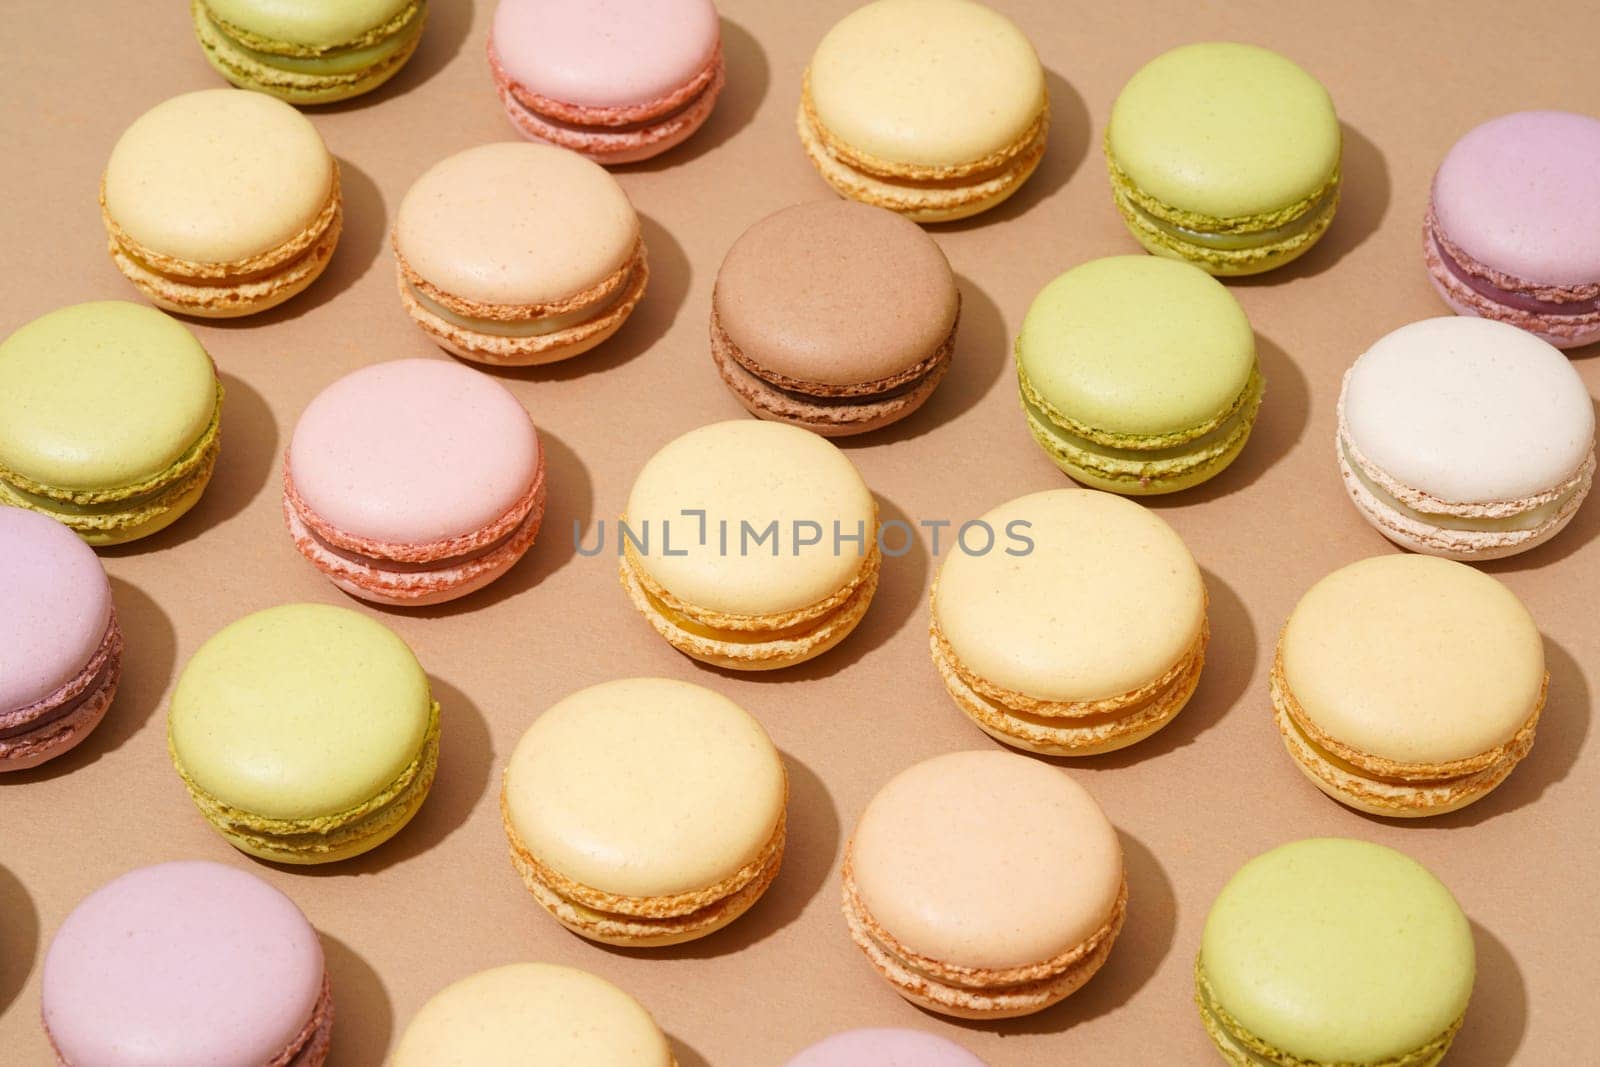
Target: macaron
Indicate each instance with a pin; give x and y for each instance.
(1138, 375)
(1225, 155)
(1080, 628)
(305, 733)
(558, 1014)
(60, 645)
(409, 518)
(834, 316)
(645, 811)
(110, 420)
(619, 82)
(515, 254)
(936, 109)
(750, 545)
(221, 203)
(885, 1047)
(1407, 685)
(1465, 438)
(984, 885)
(1330, 952)
(307, 52)
(1510, 225)
(188, 962)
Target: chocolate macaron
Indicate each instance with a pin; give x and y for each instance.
(834, 316)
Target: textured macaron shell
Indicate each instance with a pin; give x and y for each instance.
(1137, 345)
(986, 859)
(190, 962)
(102, 395)
(299, 711)
(1521, 195)
(758, 473)
(837, 293)
(1339, 951)
(506, 1015)
(57, 607)
(310, 23)
(605, 53)
(645, 787)
(413, 451)
(217, 176)
(1413, 659)
(926, 82)
(514, 223)
(1225, 130)
(1469, 410)
(885, 1047)
(1107, 600)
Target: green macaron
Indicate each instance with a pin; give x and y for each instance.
(1330, 952)
(309, 51)
(1138, 375)
(1225, 155)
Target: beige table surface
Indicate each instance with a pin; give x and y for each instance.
(1192, 804)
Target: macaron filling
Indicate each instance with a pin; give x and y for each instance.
(537, 327)
(306, 73)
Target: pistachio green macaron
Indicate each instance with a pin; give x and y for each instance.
(305, 733)
(1225, 155)
(1330, 951)
(110, 419)
(1138, 375)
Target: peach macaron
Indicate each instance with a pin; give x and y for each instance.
(414, 482)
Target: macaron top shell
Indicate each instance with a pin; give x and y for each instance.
(218, 176)
(1137, 345)
(102, 395)
(1107, 600)
(1413, 659)
(763, 474)
(885, 1047)
(986, 859)
(836, 292)
(1225, 130)
(515, 224)
(309, 23)
(645, 787)
(57, 607)
(299, 711)
(501, 1017)
(1521, 195)
(932, 83)
(190, 962)
(1469, 410)
(413, 451)
(1339, 951)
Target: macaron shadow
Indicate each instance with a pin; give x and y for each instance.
(445, 34)
(19, 936)
(363, 1014)
(686, 1056)
(1497, 1018)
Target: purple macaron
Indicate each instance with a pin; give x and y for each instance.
(885, 1047)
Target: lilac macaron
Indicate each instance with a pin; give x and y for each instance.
(187, 963)
(885, 1047)
(1511, 232)
(60, 646)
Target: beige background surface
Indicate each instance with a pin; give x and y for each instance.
(1193, 803)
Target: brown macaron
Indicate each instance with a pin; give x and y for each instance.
(834, 316)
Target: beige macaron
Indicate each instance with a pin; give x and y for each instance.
(750, 545)
(645, 811)
(1408, 685)
(984, 885)
(1082, 630)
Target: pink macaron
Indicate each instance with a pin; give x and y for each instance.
(1512, 224)
(616, 80)
(885, 1047)
(187, 963)
(414, 482)
(60, 646)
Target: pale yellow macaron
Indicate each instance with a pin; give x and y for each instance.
(751, 545)
(645, 811)
(936, 109)
(1081, 631)
(526, 1013)
(1408, 685)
